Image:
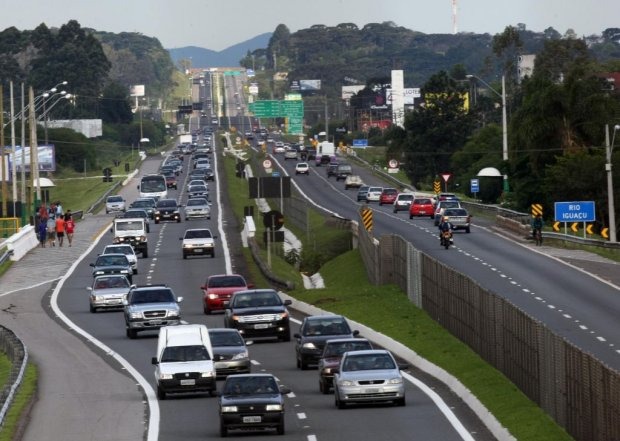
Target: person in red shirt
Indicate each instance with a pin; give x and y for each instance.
(60, 229)
(69, 226)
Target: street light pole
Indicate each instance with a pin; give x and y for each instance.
(610, 182)
(504, 120)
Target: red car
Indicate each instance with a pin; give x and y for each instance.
(218, 290)
(388, 196)
(422, 207)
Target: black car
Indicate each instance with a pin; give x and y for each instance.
(107, 264)
(362, 193)
(315, 330)
(167, 209)
(252, 402)
(258, 313)
(147, 204)
(331, 169)
(201, 173)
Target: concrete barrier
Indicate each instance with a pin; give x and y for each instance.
(22, 242)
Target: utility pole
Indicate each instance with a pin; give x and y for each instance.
(3, 161)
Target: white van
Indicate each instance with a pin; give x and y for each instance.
(184, 361)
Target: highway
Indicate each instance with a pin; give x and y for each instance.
(582, 309)
(310, 414)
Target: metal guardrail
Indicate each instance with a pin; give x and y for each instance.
(17, 352)
(5, 256)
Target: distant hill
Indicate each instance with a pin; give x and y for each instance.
(229, 57)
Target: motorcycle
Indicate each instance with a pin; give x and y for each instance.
(446, 239)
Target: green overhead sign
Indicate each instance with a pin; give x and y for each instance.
(292, 110)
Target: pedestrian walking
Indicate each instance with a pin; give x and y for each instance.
(43, 214)
(59, 209)
(60, 229)
(69, 226)
(51, 231)
(42, 228)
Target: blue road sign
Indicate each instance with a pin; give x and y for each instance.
(579, 211)
(360, 143)
(475, 185)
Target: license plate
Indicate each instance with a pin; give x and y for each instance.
(155, 322)
(252, 419)
(261, 326)
(190, 382)
(197, 250)
(374, 390)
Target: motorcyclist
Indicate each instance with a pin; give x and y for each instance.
(537, 224)
(445, 225)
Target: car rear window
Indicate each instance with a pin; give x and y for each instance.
(455, 212)
(422, 201)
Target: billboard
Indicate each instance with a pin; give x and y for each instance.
(309, 85)
(409, 95)
(46, 158)
(349, 91)
(398, 98)
(136, 90)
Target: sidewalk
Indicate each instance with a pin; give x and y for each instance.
(79, 397)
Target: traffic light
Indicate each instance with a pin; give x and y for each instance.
(107, 174)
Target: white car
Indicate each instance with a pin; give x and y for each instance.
(302, 168)
(403, 202)
(198, 241)
(374, 194)
(290, 154)
(279, 149)
(114, 203)
(196, 182)
(125, 249)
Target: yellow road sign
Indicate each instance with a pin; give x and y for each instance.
(556, 226)
(537, 209)
(366, 214)
(437, 187)
(574, 227)
(589, 228)
(605, 233)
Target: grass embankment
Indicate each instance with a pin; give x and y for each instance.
(21, 400)
(387, 310)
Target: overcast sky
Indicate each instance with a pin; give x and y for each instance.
(218, 24)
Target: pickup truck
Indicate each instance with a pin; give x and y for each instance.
(132, 231)
(352, 181)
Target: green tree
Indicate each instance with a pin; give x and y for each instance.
(115, 106)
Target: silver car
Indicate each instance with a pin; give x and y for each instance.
(197, 208)
(368, 376)
(114, 204)
(195, 191)
(374, 194)
(108, 291)
(229, 352)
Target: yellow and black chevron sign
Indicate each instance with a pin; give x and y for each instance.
(366, 214)
(537, 209)
(437, 187)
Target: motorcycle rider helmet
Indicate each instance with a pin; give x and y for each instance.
(446, 218)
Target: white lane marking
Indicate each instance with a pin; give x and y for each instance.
(601, 338)
(301, 415)
(255, 362)
(30, 286)
(311, 438)
(583, 327)
(442, 406)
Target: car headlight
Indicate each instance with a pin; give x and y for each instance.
(157, 212)
(135, 315)
(173, 313)
(273, 407)
(99, 272)
(397, 380)
(241, 355)
(117, 240)
(327, 370)
(124, 271)
(229, 409)
(207, 374)
(309, 346)
(98, 298)
(165, 376)
(282, 315)
(212, 296)
(346, 383)
(142, 238)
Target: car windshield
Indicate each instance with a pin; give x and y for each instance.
(219, 339)
(198, 234)
(129, 226)
(142, 204)
(167, 203)
(110, 282)
(197, 188)
(449, 204)
(196, 202)
(405, 197)
(152, 296)
(226, 282)
(118, 249)
(112, 260)
(136, 213)
(375, 189)
(115, 199)
(177, 354)
(242, 385)
(336, 349)
(336, 326)
(257, 300)
(366, 362)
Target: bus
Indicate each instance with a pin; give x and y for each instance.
(153, 186)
